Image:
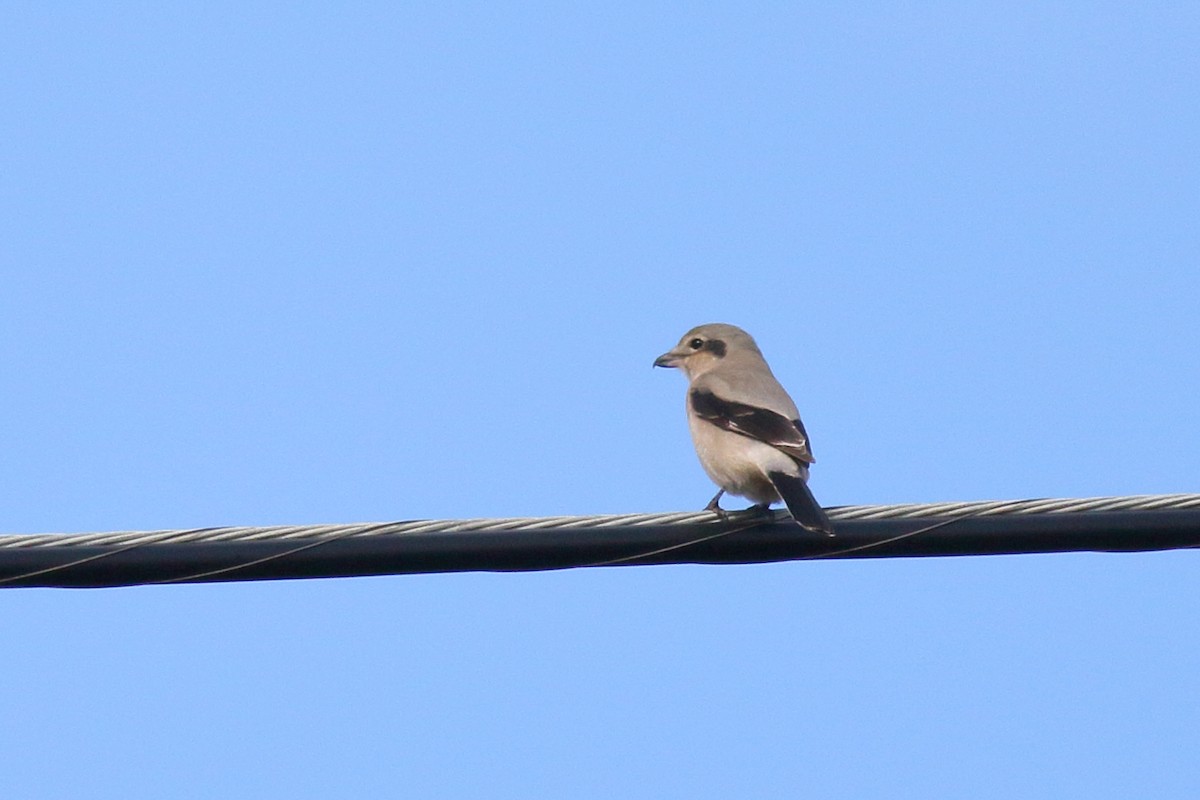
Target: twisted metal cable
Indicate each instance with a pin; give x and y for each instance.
(1166, 502)
(1106, 524)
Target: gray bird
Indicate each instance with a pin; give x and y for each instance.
(746, 428)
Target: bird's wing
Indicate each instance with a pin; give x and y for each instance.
(762, 424)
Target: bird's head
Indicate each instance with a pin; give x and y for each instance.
(705, 346)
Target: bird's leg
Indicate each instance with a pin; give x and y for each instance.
(714, 506)
(761, 508)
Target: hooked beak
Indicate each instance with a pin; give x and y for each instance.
(670, 359)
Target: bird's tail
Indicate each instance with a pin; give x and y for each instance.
(800, 501)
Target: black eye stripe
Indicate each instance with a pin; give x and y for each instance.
(714, 346)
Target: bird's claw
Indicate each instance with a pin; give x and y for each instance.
(763, 509)
(721, 513)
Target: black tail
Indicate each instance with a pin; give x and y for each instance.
(802, 504)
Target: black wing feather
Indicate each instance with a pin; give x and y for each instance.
(757, 423)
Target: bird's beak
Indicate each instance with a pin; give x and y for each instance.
(669, 359)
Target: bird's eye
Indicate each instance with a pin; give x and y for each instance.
(696, 344)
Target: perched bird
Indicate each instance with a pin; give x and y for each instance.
(746, 428)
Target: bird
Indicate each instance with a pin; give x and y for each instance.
(746, 429)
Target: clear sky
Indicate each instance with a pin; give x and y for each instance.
(269, 264)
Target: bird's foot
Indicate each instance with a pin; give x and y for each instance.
(721, 513)
(714, 506)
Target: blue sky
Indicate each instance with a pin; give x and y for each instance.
(265, 264)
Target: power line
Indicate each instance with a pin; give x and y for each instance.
(1147, 522)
